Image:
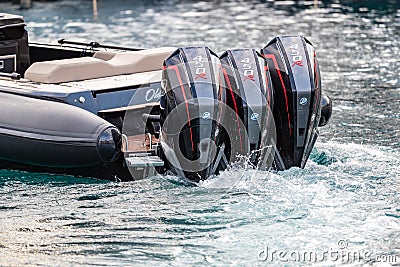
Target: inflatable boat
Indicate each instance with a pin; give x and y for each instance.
(112, 112)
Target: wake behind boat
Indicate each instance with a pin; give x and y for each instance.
(124, 113)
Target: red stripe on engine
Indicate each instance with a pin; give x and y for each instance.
(316, 84)
(272, 56)
(186, 103)
(234, 104)
(268, 90)
(267, 84)
(220, 98)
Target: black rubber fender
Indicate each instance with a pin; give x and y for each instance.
(54, 134)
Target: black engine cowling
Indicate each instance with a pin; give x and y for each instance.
(297, 82)
(190, 134)
(249, 93)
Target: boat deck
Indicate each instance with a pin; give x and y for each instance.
(137, 143)
(140, 156)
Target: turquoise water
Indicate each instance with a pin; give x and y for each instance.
(343, 208)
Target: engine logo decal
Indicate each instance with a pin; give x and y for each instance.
(206, 115)
(296, 57)
(254, 116)
(200, 68)
(248, 72)
(303, 101)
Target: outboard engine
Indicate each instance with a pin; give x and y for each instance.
(249, 93)
(297, 109)
(190, 134)
(14, 49)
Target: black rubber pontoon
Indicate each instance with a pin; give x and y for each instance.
(53, 134)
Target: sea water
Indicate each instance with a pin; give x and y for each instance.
(343, 208)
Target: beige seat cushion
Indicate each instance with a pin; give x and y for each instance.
(140, 61)
(104, 55)
(75, 69)
(65, 70)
